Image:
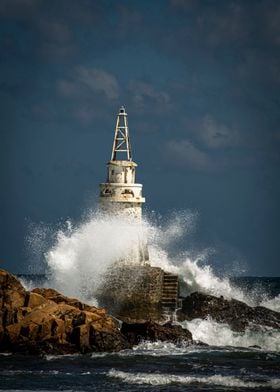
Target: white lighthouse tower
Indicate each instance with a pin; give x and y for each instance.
(120, 195)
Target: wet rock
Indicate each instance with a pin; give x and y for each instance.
(44, 321)
(12, 298)
(255, 346)
(57, 297)
(132, 292)
(237, 314)
(151, 331)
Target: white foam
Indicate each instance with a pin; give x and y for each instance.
(50, 357)
(220, 334)
(9, 372)
(82, 253)
(200, 276)
(159, 349)
(273, 304)
(166, 379)
(99, 355)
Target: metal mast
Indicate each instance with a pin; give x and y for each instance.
(121, 140)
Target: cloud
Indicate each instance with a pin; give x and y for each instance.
(229, 25)
(85, 114)
(182, 4)
(19, 8)
(55, 31)
(67, 88)
(272, 23)
(145, 95)
(214, 26)
(85, 80)
(52, 51)
(215, 135)
(185, 153)
(99, 81)
(56, 39)
(81, 12)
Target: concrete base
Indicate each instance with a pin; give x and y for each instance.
(135, 292)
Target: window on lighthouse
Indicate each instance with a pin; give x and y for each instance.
(128, 192)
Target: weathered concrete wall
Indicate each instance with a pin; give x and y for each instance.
(127, 210)
(120, 195)
(132, 292)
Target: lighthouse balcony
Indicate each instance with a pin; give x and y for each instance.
(123, 199)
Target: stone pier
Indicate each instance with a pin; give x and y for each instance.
(134, 293)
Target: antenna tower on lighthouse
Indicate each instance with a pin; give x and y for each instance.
(121, 142)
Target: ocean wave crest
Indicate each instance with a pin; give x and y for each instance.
(166, 379)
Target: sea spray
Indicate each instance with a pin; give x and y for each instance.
(272, 303)
(221, 335)
(199, 276)
(81, 254)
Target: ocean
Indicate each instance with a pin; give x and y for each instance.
(76, 256)
(232, 361)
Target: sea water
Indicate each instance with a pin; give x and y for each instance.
(148, 367)
(74, 262)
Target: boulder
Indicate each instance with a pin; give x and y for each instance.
(12, 298)
(235, 313)
(57, 297)
(44, 321)
(151, 331)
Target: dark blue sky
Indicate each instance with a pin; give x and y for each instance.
(200, 81)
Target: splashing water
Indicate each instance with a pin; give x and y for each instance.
(220, 334)
(81, 254)
(273, 303)
(199, 276)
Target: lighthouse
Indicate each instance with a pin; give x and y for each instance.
(120, 195)
(131, 288)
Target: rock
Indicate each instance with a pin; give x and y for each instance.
(44, 321)
(151, 331)
(12, 299)
(255, 346)
(33, 299)
(57, 297)
(237, 314)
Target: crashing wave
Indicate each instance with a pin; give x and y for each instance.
(220, 334)
(87, 250)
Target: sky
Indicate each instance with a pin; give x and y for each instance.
(200, 81)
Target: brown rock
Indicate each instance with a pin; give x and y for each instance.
(13, 332)
(45, 321)
(55, 296)
(33, 300)
(12, 298)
